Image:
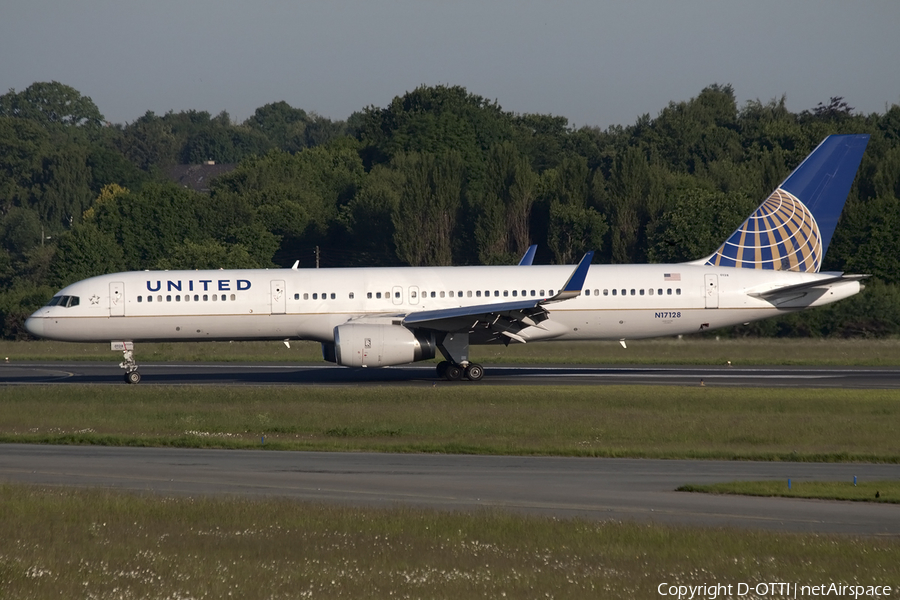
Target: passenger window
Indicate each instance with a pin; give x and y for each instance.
(442, 294)
(642, 291)
(459, 294)
(606, 292)
(178, 298)
(669, 292)
(215, 297)
(632, 291)
(650, 291)
(678, 292)
(306, 296)
(149, 298)
(433, 294)
(542, 293)
(369, 295)
(624, 292)
(159, 298)
(478, 293)
(506, 293)
(333, 295)
(496, 293)
(587, 292)
(168, 298)
(614, 292)
(396, 294)
(196, 297)
(233, 296)
(515, 293)
(532, 292)
(378, 294)
(551, 292)
(315, 296)
(187, 297)
(659, 292)
(140, 298)
(351, 295)
(412, 294)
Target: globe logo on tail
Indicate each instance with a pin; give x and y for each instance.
(781, 235)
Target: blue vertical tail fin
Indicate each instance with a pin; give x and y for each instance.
(791, 230)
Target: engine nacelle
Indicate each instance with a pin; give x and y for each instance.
(366, 345)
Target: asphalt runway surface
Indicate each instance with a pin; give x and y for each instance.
(621, 489)
(325, 374)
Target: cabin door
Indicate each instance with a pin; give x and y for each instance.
(117, 299)
(278, 297)
(712, 290)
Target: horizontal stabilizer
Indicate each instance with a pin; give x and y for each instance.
(801, 287)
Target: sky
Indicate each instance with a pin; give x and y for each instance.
(596, 63)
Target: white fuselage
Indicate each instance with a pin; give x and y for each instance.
(618, 302)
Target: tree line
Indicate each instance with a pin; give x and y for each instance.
(439, 176)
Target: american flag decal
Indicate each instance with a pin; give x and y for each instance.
(672, 276)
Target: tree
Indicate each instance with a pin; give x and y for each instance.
(697, 223)
(52, 104)
(86, 251)
(503, 227)
(430, 198)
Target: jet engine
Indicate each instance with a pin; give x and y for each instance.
(367, 345)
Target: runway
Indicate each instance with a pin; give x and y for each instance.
(621, 489)
(329, 375)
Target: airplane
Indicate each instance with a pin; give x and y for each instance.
(378, 317)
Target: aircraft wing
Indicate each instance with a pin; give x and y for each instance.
(792, 290)
(505, 318)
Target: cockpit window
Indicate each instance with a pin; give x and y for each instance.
(64, 301)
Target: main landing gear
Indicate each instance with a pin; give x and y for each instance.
(453, 372)
(455, 348)
(130, 365)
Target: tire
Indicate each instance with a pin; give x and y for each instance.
(453, 372)
(474, 372)
(442, 368)
(132, 377)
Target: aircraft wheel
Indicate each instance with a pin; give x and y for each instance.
(132, 377)
(474, 372)
(442, 368)
(453, 372)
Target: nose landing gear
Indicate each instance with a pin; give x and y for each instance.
(129, 364)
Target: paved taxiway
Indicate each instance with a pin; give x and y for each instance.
(623, 489)
(323, 374)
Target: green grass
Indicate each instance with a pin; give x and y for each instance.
(863, 491)
(69, 543)
(690, 350)
(634, 421)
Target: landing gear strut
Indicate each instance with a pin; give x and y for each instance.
(130, 365)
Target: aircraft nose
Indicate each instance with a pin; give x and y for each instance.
(35, 325)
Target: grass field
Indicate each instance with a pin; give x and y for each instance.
(687, 351)
(633, 421)
(863, 491)
(66, 543)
